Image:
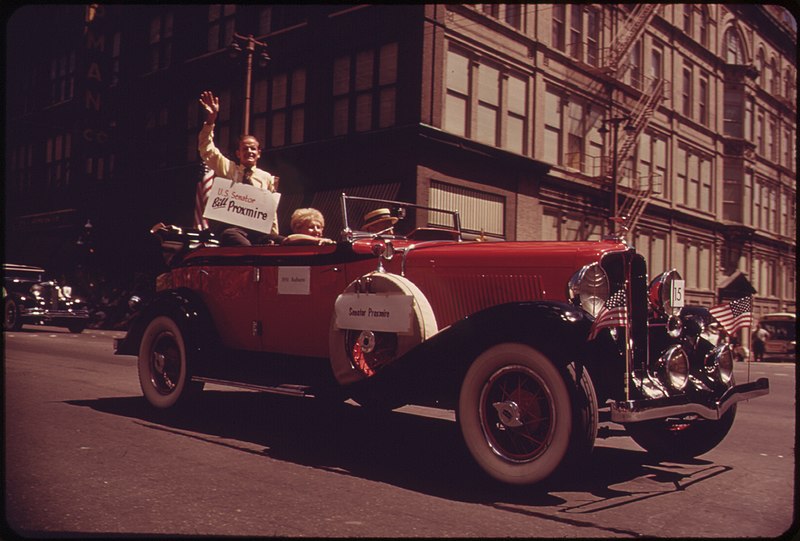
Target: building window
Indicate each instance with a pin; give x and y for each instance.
(733, 181)
(760, 133)
(488, 105)
(773, 139)
(485, 102)
(558, 27)
(688, 12)
(551, 151)
(651, 165)
(592, 37)
(57, 160)
(657, 62)
(703, 100)
(516, 127)
(653, 246)
(513, 15)
(480, 212)
(62, 78)
(686, 92)
(703, 22)
(694, 176)
(733, 109)
(760, 66)
(456, 104)
(221, 24)
(160, 42)
(693, 259)
(576, 31)
(365, 90)
(733, 51)
(635, 64)
(286, 122)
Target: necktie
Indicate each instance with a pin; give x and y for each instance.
(248, 174)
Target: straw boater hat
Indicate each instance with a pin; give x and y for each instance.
(378, 220)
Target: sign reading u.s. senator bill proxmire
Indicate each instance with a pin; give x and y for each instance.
(241, 204)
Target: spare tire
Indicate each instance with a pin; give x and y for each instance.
(357, 351)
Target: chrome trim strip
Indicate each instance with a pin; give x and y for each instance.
(631, 411)
(285, 389)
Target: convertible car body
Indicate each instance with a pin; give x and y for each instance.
(532, 344)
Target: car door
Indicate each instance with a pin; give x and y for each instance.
(230, 290)
(296, 299)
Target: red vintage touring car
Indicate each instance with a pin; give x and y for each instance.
(531, 343)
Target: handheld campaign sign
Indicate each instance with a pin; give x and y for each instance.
(241, 204)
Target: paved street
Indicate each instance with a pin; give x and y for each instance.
(85, 455)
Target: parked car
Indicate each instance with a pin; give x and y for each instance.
(532, 344)
(30, 298)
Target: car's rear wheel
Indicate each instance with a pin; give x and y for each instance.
(11, 319)
(164, 370)
(517, 416)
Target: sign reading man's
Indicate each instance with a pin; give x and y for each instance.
(242, 205)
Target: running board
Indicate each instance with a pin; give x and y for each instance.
(284, 389)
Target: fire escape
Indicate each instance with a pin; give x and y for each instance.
(633, 192)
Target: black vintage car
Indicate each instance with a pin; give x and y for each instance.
(30, 298)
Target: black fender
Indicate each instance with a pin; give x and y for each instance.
(189, 312)
(437, 366)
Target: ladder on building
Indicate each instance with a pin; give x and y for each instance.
(635, 198)
(632, 29)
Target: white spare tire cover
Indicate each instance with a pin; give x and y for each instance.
(371, 329)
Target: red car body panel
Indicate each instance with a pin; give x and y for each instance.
(244, 287)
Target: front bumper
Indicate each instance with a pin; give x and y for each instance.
(39, 314)
(632, 411)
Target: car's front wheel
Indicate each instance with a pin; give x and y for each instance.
(77, 328)
(681, 439)
(516, 414)
(11, 319)
(164, 370)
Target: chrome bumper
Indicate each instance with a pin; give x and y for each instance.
(49, 315)
(632, 411)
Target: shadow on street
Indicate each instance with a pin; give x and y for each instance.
(417, 453)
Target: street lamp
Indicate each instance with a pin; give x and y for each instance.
(249, 46)
(615, 122)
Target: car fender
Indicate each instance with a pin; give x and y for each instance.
(189, 312)
(557, 329)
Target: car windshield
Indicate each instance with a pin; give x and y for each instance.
(365, 216)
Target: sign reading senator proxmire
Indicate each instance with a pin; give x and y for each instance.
(241, 204)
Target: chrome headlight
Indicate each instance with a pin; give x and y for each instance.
(37, 290)
(672, 368)
(67, 291)
(719, 363)
(666, 293)
(589, 289)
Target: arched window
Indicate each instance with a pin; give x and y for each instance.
(734, 52)
(761, 66)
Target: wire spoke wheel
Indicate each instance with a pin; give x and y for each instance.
(164, 370)
(517, 414)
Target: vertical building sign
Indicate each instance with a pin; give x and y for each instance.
(95, 129)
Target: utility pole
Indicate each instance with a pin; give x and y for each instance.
(248, 46)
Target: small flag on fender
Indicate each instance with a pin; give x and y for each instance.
(613, 314)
